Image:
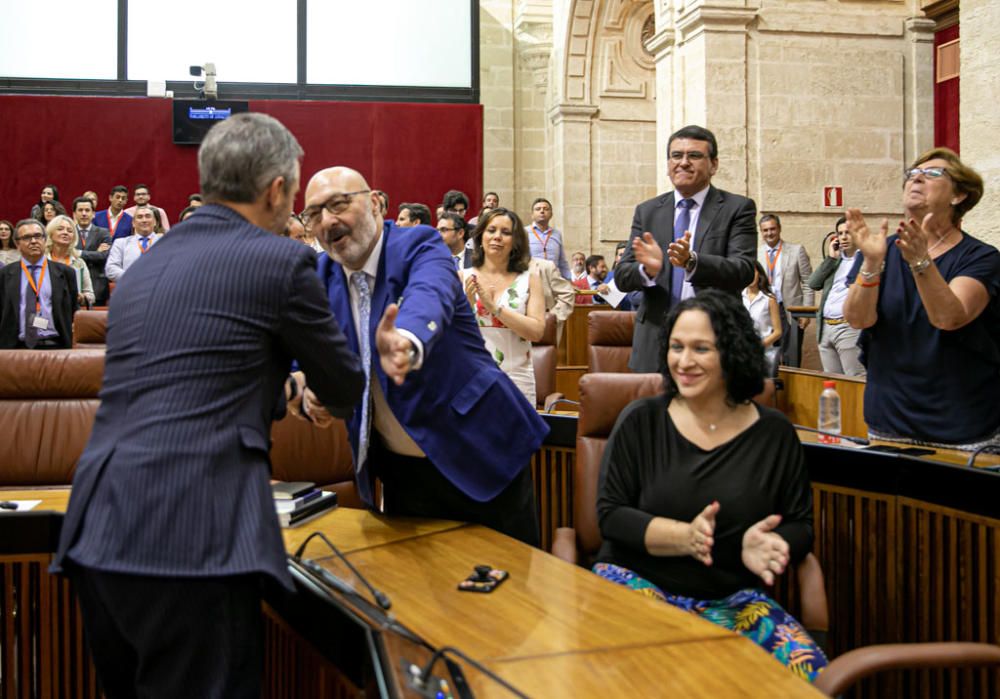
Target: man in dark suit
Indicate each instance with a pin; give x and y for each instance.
(171, 528)
(114, 217)
(94, 243)
(38, 297)
(696, 237)
(448, 432)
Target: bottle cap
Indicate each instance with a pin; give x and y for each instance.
(829, 384)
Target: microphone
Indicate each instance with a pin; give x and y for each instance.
(380, 597)
(855, 440)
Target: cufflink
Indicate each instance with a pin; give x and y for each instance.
(432, 326)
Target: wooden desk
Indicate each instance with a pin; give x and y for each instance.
(552, 629)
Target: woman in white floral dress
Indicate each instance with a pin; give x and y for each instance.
(506, 298)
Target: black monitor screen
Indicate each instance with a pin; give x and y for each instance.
(193, 118)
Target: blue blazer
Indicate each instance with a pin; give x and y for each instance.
(124, 229)
(175, 478)
(465, 414)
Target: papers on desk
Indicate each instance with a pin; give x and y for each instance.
(22, 505)
(614, 295)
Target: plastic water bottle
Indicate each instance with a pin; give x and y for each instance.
(829, 412)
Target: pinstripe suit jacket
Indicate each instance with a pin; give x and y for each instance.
(174, 479)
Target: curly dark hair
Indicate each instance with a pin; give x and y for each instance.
(520, 252)
(741, 353)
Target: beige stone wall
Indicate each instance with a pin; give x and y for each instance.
(980, 113)
(497, 63)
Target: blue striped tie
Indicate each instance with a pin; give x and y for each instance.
(362, 286)
(681, 224)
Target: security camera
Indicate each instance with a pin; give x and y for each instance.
(209, 89)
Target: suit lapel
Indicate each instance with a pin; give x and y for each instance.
(335, 279)
(665, 220)
(13, 290)
(711, 207)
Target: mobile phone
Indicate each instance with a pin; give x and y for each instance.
(483, 579)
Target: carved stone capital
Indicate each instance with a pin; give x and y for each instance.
(702, 18)
(580, 113)
(661, 43)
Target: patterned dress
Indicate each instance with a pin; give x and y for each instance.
(511, 352)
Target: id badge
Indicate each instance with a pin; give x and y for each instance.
(39, 322)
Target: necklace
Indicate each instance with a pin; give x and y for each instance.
(939, 241)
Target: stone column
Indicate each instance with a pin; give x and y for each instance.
(980, 114)
(496, 94)
(570, 168)
(533, 43)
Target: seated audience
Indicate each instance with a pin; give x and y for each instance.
(632, 298)
(838, 341)
(456, 202)
(141, 195)
(491, 200)
(296, 230)
(597, 270)
(38, 297)
(61, 247)
(578, 266)
(761, 304)
(125, 251)
(49, 211)
(413, 215)
(926, 298)
(703, 494)
(94, 244)
(114, 218)
(506, 297)
(92, 195)
(384, 199)
(49, 193)
(194, 200)
(8, 247)
(187, 211)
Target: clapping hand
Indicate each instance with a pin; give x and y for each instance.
(703, 534)
(648, 253)
(912, 242)
(679, 251)
(871, 243)
(393, 348)
(765, 553)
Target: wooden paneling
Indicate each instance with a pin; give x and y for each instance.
(800, 399)
(575, 335)
(552, 473)
(568, 381)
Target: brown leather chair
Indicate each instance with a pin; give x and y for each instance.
(543, 358)
(602, 398)
(90, 329)
(48, 401)
(609, 340)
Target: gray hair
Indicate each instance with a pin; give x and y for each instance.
(27, 222)
(241, 156)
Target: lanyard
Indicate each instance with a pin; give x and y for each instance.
(772, 260)
(36, 287)
(545, 243)
(114, 224)
(149, 244)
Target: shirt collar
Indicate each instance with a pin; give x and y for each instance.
(699, 197)
(371, 264)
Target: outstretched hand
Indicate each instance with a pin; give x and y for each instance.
(679, 251)
(703, 534)
(648, 253)
(871, 243)
(393, 348)
(913, 239)
(765, 553)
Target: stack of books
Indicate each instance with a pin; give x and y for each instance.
(300, 501)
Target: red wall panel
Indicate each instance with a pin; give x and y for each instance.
(414, 152)
(946, 98)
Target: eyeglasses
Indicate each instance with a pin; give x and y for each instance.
(692, 155)
(929, 172)
(336, 205)
(32, 236)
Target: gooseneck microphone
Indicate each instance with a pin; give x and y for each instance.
(380, 597)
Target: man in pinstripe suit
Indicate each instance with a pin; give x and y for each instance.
(171, 528)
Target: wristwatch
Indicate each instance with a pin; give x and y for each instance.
(691, 263)
(921, 266)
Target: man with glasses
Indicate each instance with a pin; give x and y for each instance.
(142, 196)
(38, 297)
(446, 432)
(125, 251)
(696, 237)
(452, 230)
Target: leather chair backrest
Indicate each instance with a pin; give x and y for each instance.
(90, 329)
(602, 398)
(543, 358)
(609, 340)
(48, 400)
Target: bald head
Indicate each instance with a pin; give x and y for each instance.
(344, 215)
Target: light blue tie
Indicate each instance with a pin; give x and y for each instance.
(681, 224)
(362, 286)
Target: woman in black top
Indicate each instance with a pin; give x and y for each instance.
(704, 494)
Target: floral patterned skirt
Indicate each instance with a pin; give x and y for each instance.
(749, 612)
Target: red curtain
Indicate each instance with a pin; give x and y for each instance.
(946, 98)
(414, 152)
